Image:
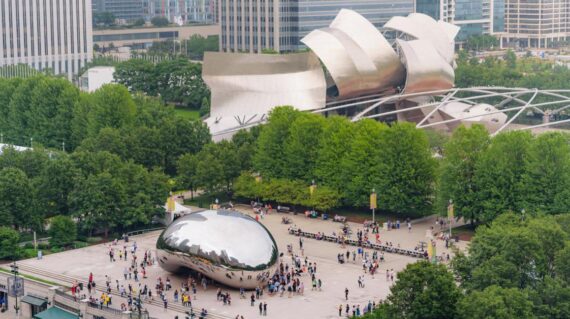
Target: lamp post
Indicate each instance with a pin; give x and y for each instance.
(14, 287)
(450, 215)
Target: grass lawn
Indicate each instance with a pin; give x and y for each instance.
(187, 113)
(48, 282)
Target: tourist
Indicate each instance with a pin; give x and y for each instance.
(265, 308)
(346, 293)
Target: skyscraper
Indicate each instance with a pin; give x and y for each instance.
(181, 11)
(49, 34)
(127, 10)
(257, 25)
(475, 17)
(537, 24)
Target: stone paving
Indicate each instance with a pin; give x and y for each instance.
(313, 304)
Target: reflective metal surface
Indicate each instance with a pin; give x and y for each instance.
(244, 84)
(438, 34)
(468, 114)
(357, 56)
(245, 87)
(226, 246)
(426, 69)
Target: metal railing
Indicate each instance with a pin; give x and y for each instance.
(143, 231)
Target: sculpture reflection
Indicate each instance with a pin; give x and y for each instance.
(226, 246)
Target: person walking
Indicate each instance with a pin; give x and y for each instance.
(265, 308)
(346, 293)
(260, 308)
(340, 310)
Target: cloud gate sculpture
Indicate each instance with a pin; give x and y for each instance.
(416, 57)
(226, 246)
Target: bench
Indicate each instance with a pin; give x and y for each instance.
(339, 219)
(283, 209)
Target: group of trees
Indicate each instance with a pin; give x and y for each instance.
(510, 71)
(192, 48)
(99, 189)
(513, 171)
(176, 81)
(51, 112)
(481, 42)
(515, 268)
(345, 160)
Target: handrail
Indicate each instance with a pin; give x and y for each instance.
(352, 242)
(143, 231)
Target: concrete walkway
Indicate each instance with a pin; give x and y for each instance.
(313, 304)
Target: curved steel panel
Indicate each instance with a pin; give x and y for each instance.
(227, 246)
(359, 59)
(426, 69)
(423, 27)
(252, 84)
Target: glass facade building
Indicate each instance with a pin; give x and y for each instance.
(475, 17)
(279, 25)
(127, 10)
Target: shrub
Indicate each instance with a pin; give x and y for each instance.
(63, 231)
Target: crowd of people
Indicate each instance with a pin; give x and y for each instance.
(294, 273)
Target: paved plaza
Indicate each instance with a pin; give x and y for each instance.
(313, 304)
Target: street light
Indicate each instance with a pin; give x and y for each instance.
(450, 215)
(14, 287)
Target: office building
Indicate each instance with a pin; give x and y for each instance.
(49, 34)
(181, 11)
(279, 25)
(143, 38)
(475, 17)
(535, 24)
(125, 10)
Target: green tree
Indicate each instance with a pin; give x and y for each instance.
(9, 239)
(137, 75)
(562, 263)
(186, 168)
(97, 201)
(62, 231)
(159, 21)
(53, 186)
(499, 174)
(16, 199)
(547, 178)
(406, 170)
(423, 290)
(495, 302)
(457, 171)
(270, 156)
(180, 136)
(51, 111)
(511, 59)
(335, 146)
(113, 107)
(361, 166)
(300, 159)
(323, 199)
(105, 18)
(179, 81)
